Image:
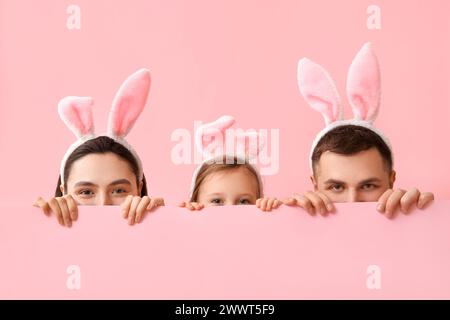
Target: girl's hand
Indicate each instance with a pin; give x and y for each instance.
(313, 202)
(267, 204)
(391, 200)
(64, 208)
(191, 205)
(134, 207)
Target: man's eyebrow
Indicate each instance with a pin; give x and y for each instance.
(334, 181)
(120, 181)
(370, 180)
(85, 184)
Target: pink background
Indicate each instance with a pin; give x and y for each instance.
(223, 253)
(208, 58)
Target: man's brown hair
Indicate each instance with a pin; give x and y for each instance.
(351, 139)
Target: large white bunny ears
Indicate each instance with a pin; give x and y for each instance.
(217, 138)
(218, 142)
(130, 100)
(363, 92)
(363, 87)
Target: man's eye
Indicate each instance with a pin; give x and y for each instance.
(369, 186)
(337, 187)
(244, 201)
(120, 191)
(216, 201)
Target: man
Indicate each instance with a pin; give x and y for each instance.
(351, 160)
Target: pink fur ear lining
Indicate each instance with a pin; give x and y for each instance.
(206, 134)
(251, 143)
(363, 84)
(129, 102)
(319, 90)
(76, 113)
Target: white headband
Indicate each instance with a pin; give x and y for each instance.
(212, 141)
(130, 100)
(363, 93)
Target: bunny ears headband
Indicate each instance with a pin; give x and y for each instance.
(216, 140)
(76, 113)
(363, 93)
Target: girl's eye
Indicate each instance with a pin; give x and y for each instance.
(244, 201)
(216, 201)
(369, 186)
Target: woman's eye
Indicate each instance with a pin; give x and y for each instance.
(244, 201)
(216, 201)
(85, 192)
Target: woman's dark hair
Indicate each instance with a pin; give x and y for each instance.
(101, 145)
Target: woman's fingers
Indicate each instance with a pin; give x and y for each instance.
(73, 207)
(43, 205)
(54, 206)
(132, 212)
(126, 206)
(64, 211)
(142, 208)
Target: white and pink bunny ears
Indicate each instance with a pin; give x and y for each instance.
(218, 140)
(363, 93)
(130, 100)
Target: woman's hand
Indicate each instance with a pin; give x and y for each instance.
(64, 208)
(134, 207)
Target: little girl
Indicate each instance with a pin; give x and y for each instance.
(227, 178)
(102, 170)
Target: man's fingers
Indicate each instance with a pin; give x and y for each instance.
(381, 206)
(304, 203)
(393, 202)
(317, 202)
(408, 199)
(328, 203)
(425, 199)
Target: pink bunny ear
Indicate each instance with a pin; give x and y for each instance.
(250, 144)
(129, 103)
(76, 112)
(210, 137)
(363, 84)
(319, 90)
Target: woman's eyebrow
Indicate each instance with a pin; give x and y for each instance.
(120, 181)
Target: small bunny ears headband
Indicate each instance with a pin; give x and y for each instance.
(363, 93)
(76, 113)
(217, 142)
